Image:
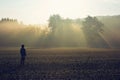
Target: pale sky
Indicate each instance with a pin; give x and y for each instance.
(39, 11)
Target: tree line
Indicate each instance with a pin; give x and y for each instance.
(60, 32)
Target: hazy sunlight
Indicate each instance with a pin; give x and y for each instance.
(38, 11)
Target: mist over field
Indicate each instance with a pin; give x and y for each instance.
(91, 31)
(59, 39)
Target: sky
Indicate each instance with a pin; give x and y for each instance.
(39, 11)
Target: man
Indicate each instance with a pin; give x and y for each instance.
(23, 54)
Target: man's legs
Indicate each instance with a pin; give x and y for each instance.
(22, 60)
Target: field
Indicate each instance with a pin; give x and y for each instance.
(60, 64)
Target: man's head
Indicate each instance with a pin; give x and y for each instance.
(22, 45)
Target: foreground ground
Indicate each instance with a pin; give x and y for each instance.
(61, 64)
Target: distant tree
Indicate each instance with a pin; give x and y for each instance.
(54, 21)
(92, 23)
(98, 25)
(9, 20)
(93, 29)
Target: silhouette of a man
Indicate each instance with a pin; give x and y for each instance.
(23, 55)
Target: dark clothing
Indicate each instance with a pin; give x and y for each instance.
(23, 52)
(23, 55)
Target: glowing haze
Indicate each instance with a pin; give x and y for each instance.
(38, 11)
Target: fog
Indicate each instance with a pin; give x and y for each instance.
(96, 32)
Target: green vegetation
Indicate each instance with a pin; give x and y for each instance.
(96, 32)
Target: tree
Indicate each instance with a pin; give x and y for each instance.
(54, 21)
(92, 30)
(9, 20)
(92, 23)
